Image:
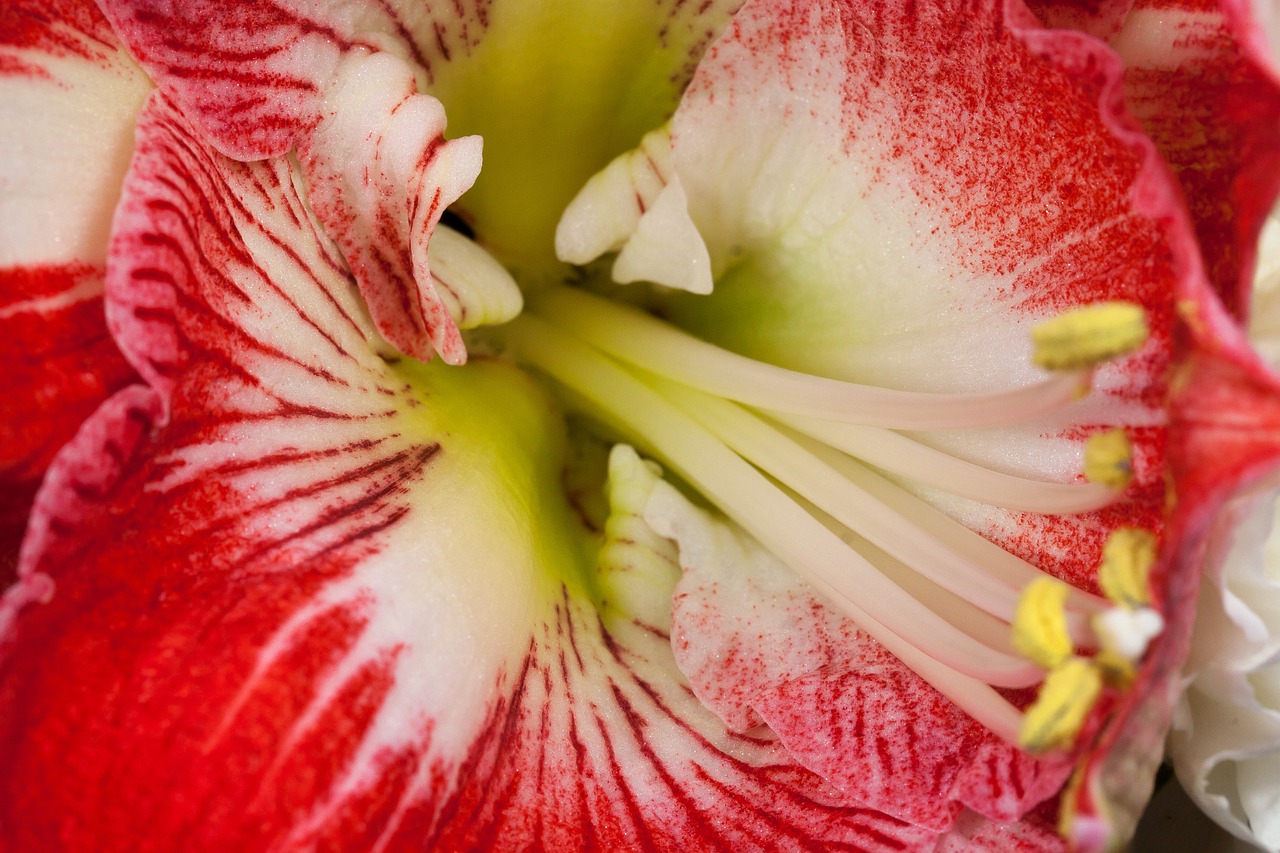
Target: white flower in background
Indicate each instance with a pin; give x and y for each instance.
(1226, 739)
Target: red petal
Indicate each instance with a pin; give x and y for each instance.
(380, 176)
(1101, 18)
(1021, 169)
(603, 749)
(61, 28)
(61, 364)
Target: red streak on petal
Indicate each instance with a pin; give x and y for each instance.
(56, 27)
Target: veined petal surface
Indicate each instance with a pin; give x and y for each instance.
(282, 467)
(212, 557)
(760, 646)
(305, 78)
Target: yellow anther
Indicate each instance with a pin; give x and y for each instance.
(1127, 558)
(1107, 459)
(1040, 623)
(1089, 335)
(1068, 694)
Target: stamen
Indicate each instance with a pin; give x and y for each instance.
(1108, 459)
(1009, 568)
(987, 629)
(903, 535)
(934, 593)
(1125, 631)
(928, 466)
(777, 522)
(756, 442)
(1127, 558)
(1089, 335)
(655, 346)
(1040, 625)
(1067, 696)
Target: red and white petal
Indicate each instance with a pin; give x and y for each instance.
(604, 748)
(69, 95)
(904, 221)
(1214, 112)
(760, 646)
(1102, 19)
(380, 175)
(895, 214)
(975, 834)
(229, 608)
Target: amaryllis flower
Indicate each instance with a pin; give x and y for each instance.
(365, 558)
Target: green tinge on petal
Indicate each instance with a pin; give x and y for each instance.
(500, 472)
(557, 90)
